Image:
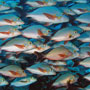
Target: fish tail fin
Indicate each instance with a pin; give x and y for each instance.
(40, 57)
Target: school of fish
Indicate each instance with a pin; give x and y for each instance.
(44, 44)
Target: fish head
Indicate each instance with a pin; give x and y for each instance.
(30, 44)
(73, 34)
(47, 32)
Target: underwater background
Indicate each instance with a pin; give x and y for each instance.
(44, 44)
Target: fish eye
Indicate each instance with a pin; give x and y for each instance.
(75, 31)
(49, 31)
(30, 42)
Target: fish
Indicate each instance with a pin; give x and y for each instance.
(41, 68)
(10, 19)
(59, 53)
(48, 15)
(64, 79)
(3, 82)
(84, 37)
(84, 18)
(36, 31)
(85, 26)
(66, 34)
(12, 71)
(80, 8)
(17, 44)
(24, 81)
(8, 32)
(4, 7)
(84, 52)
(41, 3)
(85, 62)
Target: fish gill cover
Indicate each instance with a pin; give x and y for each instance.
(44, 44)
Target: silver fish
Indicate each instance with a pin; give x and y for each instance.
(85, 37)
(24, 81)
(41, 69)
(10, 19)
(41, 3)
(49, 15)
(17, 45)
(85, 26)
(64, 79)
(85, 62)
(84, 18)
(84, 52)
(80, 8)
(36, 31)
(66, 34)
(8, 32)
(12, 71)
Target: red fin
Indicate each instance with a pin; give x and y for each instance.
(4, 38)
(50, 16)
(19, 46)
(89, 44)
(15, 73)
(8, 55)
(18, 53)
(40, 33)
(39, 48)
(40, 2)
(62, 55)
(65, 42)
(9, 21)
(42, 70)
(88, 25)
(88, 53)
(7, 33)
